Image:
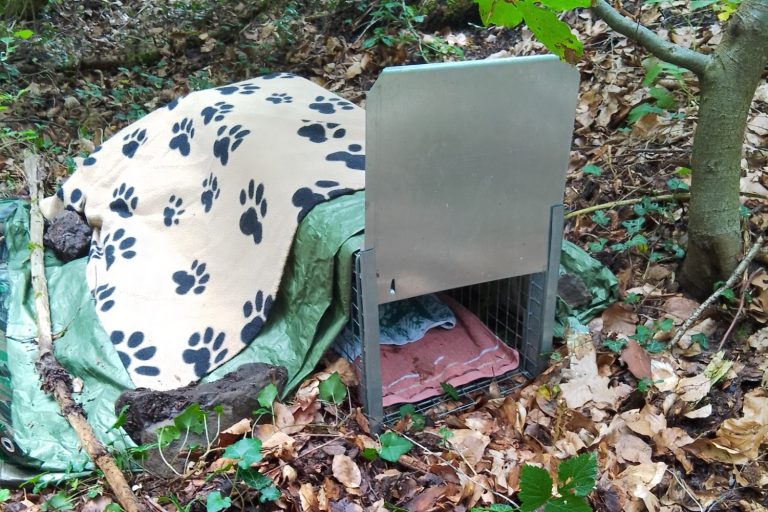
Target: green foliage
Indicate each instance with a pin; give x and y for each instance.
(215, 502)
(540, 16)
(4, 495)
(417, 419)
(246, 451)
(631, 298)
(726, 294)
(601, 218)
(450, 391)
(645, 335)
(592, 169)
(638, 241)
(615, 346)
(644, 385)
(701, 339)
(58, 501)
(393, 446)
(332, 389)
(496, 507)
(267, 396)
(576, 479)
(192, 418)
(676, 184)
(598, 245)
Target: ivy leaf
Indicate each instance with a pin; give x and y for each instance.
(192, 418)
(247, 450)
(332, 389)
(577, 475)
(615, 346)
(565, 5)
(271, 493)
(393, 446)
(701, 339)
(535, 488)
(267, 396)
(556, 35)
(677, 184)
(592, 169)
(568, 504)
(254, 479)
(503, 14)
(167, 435)
(215, 502)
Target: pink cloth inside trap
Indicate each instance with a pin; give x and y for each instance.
(468, 352)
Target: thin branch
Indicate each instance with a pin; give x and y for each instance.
(56, 381)
(664, 50)
(712, 298)
(605, 206)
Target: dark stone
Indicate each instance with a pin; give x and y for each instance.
(572, 290)
(68, 236)
(236, 393)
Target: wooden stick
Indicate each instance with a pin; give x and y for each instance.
(712, 298)
(56, 381)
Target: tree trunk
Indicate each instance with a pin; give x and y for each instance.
(727, 86)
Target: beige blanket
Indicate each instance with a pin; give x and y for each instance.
(194, 208)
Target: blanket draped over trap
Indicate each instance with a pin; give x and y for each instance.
(194, 208)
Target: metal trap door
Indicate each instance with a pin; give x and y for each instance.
(464, 163)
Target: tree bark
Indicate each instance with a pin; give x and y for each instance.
(727, 82)
(727, 86)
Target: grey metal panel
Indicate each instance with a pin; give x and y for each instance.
(371, 382)
(464, 161)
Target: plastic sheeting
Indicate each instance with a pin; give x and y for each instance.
(312, 307)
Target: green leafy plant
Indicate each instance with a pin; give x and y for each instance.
(601, 218)
(4, 495)
(215, 502)
(541, 17)
(575, 480)
(332, 389)
(59, 501)
(632, 298)
(615, 346)
(598, 245)
(418, 421)
(266, 399)
(450, 391)
(393, 446)
(247, 452)
(592, 169)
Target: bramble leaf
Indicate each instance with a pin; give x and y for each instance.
(535, 488)
(577, 475)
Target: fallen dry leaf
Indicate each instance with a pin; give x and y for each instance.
(346, 471)
(637, 359)
(470, 444)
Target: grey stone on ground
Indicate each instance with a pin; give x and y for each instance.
(68, 236)
(572, 290)
(236, 393)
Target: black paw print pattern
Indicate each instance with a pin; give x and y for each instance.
(319, 132)
(133, 141)
(194, 280)
(238, 89)
(280, 97)
(173, 104)
(353, 158)
(250, 220)
(118, 245)
(272, 76)
(329, 105)
(123, 201)
(96, 252)
(210, 350)
(91, 159)
(305, 198)
(173, 211)
(184, 131)
(210, 193)
(74, 197)
(133, 349)
(102, 295)
(255, 312)
(217, 112)
(228, 141)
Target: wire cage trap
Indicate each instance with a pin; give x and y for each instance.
(465, 175)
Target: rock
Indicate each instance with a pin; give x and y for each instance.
(235, 393)
(572, 290)
(68, 235)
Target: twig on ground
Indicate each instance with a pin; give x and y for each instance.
(712, 298)
(56, 381)
(742, 298)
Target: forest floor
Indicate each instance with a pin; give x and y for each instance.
(674, 426)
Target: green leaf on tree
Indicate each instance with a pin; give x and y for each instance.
(393, 446)
(267, 396)
(247, 451)
(503, 14)
(332, 389)
(577, 475)
(192, 418)
(556, 35)
(565, 5)
(215, 502)
(535, 488)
